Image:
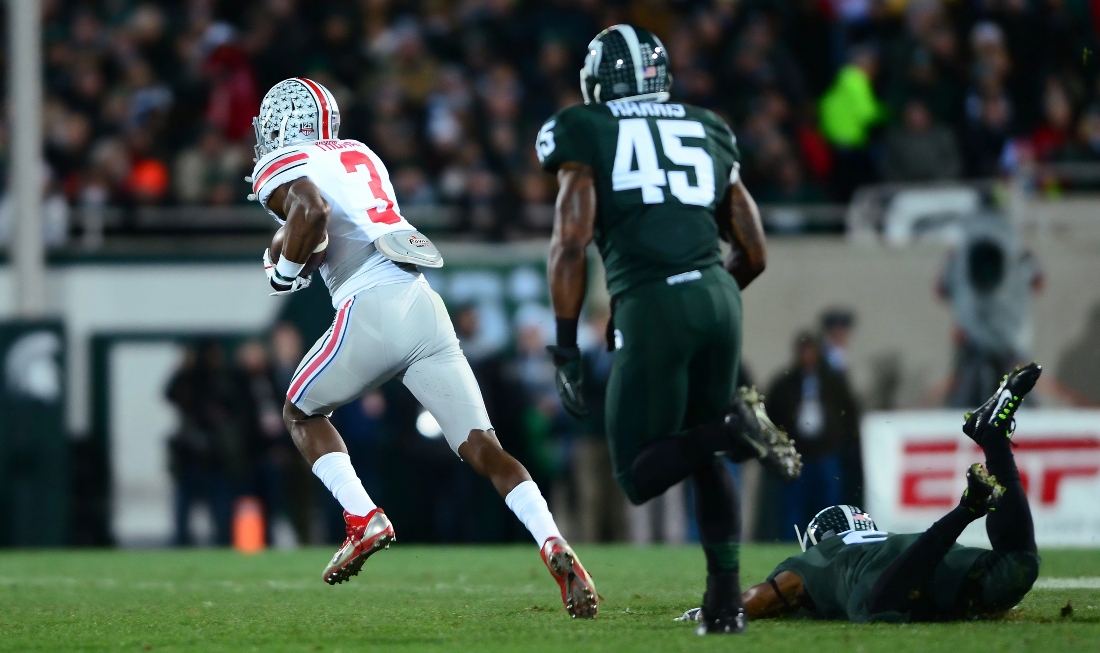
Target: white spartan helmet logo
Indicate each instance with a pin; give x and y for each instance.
(31, 368)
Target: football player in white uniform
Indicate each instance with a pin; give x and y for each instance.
(335, 193)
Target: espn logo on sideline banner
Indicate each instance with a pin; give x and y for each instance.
(915, 466)
(930, 471)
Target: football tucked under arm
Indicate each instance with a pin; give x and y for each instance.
(311, 264)
(299, 247)
(289, 276)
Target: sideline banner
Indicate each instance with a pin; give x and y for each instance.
(33, 482)
(915, 471)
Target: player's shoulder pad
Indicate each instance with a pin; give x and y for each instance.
(276, 168)
(726, 139)
(718, 122)
(564, 136)
(574, 114)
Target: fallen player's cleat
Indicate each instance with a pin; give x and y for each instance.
(366, 535)
(578, 592)
(724, 624)
(995, 417)
(982, 493)
(753, 435)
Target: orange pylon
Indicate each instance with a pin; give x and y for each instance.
(248, 525)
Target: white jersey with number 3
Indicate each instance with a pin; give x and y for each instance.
(357, 186)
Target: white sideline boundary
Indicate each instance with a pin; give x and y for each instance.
(1079, 583)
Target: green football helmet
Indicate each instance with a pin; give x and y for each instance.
(625, 63)
(832, 521)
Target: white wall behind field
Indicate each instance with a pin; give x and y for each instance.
(141, 423)
(892, 292)
(127, 297)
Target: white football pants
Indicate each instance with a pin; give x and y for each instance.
(398, 330)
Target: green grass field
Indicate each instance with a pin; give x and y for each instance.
(457, 599)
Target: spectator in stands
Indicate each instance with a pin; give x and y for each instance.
(234, 98)
(989, 282)
(208, 456)
(790, 186)
(601, 506)
(55, 214)
(849, 110)
(261, 419)
(412, 188)
(532, 373)
(451, 95)
(211, 171)
(285, 352)
(547, 430)
(1086, 145)
(987, 134)
(927, 63)
(920, 149)
(506, 406)
(815, 406)
(148, 181)
(1050, 140)
(836, 337)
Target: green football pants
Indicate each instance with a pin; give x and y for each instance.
(678, 347)
(997, 581)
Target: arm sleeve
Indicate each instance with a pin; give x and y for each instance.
(564, 137)
(790, 564)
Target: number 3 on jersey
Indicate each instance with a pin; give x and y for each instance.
(351, 160)
(636, 141)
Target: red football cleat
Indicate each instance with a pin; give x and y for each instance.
(366, 535)
(578, 592)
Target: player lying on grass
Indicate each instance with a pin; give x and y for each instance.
(335, 196)
(850, 570)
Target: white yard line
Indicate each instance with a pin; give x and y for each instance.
(1079, 583)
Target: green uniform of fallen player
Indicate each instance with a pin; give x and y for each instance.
(661, 170)
(839, 573)
(850, 570)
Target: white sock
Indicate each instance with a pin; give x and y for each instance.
(335, 471)
(526, 501)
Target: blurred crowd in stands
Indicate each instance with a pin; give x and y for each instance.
(150, 103)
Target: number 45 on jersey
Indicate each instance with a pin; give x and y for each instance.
(636, 143)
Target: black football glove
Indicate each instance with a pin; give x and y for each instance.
(569, 377)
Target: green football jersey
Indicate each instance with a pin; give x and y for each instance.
(839, 573)
(661, 169)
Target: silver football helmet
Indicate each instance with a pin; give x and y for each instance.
(296, 110)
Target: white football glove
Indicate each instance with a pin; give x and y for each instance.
(269, 269)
